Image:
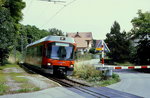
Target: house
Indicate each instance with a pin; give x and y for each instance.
(84, 40)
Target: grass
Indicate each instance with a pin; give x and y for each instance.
(3, 88)
(93, 76)
(17, 77)
(115, 78)
(8, 66)
(125, 64)
(27, 90)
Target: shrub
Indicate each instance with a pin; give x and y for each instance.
(86, 72)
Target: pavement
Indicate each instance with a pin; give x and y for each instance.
(133, 82)
(87, 92)
(56, 92)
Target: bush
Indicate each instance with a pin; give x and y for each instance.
(95, 77)
(86, 72)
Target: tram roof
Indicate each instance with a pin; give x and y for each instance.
(53, 38)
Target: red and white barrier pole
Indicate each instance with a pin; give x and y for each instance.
(102, 53)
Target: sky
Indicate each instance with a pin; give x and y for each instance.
(96, 16)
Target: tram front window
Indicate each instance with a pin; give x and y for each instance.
(60, 51)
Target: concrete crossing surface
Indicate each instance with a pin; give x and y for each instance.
(85, 92)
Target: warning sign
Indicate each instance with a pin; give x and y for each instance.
(99, 49)
(103, 45)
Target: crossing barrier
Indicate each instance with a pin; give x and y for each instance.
(109, 69)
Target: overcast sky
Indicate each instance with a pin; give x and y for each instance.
(96, 16)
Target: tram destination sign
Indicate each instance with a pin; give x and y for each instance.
(62, 44)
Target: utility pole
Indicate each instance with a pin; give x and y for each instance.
(22, 44)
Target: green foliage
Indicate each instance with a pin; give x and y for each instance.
(95, 77)
(3, 88)
(17, 77)
(29, 34)
(118, 44)
(55, 32)
(15, 7)
(124, 64)
(86, 72)
(115, 78)
(92, 50)
(141, 31)
(143, 51)
(10, 15)
(141, 25)
(27, 90)
(7, 34)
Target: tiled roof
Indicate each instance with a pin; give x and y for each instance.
(81, 38)
(81, 42)
(81, 34)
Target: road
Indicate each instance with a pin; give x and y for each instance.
(133, 82)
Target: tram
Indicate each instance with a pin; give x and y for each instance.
(52, 54)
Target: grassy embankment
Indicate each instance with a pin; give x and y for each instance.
(11, 82)
(90, 74)
(93, 76)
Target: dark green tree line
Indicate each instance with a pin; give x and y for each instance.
(54, 31)
(29, 34)
(118, 44)
(141, 32)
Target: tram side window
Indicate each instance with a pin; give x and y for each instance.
(48, 50)
(39, 51)
(34, 51)
(30, 51)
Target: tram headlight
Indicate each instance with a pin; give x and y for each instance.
(71, 66)
(49, 64)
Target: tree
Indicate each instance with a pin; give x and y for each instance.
(141, 32)
(118, 44)
(7, 32)
(10, 15)
(55, 32)
(29, 34)
(15, 7)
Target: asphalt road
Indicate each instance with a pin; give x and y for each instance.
(133, 82)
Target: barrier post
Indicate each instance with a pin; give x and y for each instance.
(102, 53)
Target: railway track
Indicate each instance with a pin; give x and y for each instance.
(84, 89)
(77, 86)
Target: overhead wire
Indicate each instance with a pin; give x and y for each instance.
(47, 22)
(30, 3)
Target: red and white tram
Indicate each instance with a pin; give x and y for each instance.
(53, 54)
